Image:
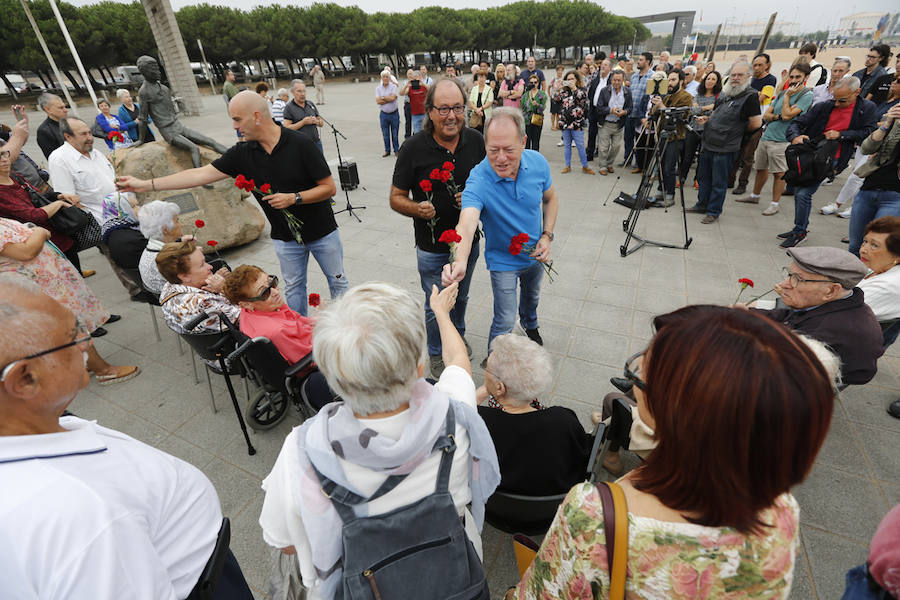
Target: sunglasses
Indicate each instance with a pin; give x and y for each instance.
(267, 291)
(82, 336)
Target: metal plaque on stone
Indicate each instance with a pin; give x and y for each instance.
(185, 201)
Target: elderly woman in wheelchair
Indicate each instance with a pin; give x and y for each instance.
(192, 288)
(542, 450)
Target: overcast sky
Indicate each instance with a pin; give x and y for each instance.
(816, 13)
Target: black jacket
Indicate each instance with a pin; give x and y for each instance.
(847, 326)
(49, 137)
(598, 113)
(812, 123)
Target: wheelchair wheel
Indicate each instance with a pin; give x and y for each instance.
(266, 409)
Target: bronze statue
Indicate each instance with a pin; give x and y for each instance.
(156, 101)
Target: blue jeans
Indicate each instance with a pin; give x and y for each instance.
(503, 284)
(430, 266)
(802, 206)
(576, 135)
(869, 205)
(390, 129)
(857, 585)
(670, 164)
(713, 169)
(629, 138)
(294, 259)
(417, 121)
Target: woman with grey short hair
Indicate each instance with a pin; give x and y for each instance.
(159, 223)
(386, 434)
(542, 450)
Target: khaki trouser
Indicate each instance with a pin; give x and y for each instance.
(609, 142)
(320, 93)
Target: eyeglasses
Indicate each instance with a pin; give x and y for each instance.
(445, 110)
(631, 371)
(796, 279)
(876, 57)
(267, 291)
(4, 154)
(82, 336)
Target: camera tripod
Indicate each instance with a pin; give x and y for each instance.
(638, 202)
(350, 208)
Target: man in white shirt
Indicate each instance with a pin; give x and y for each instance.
(691, 83)
(77, 167)
(825, 91)
(88, 512)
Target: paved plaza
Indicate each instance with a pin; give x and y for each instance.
(595, 314)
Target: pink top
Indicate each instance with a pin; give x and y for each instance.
(290, 331)
(518, 86)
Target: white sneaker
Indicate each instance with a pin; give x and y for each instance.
(771, 209)
(559, 143)
(845, 214)
(830, 209)
(573, 144)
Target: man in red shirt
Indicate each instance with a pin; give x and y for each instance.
(415, 89)
(847, 119)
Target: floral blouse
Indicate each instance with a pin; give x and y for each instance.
(181, 303)
(666, 561)
(574, 108)
(533, 106)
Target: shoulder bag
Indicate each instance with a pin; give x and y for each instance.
(67, 220)
(615, 526)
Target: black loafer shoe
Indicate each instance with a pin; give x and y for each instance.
(99, 332)
(621, 384)
(534, 336)
(113, 319)
(894, 409)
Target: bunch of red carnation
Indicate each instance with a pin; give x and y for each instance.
(521, 243)
(445, 176)
(249, 185)
(115, 136)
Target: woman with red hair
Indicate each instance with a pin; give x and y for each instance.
(740, 407)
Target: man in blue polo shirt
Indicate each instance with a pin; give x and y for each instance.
(511, 192)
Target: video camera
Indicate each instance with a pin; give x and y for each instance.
(671, 117)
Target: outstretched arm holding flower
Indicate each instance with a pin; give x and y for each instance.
(468, 222)
(177, 181)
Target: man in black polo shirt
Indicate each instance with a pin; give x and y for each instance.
(300, 181)
(302, 115)
(444, 139)
(49, 137)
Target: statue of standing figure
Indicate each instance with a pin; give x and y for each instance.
(156, 101)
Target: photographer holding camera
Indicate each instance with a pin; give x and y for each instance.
(676, 98)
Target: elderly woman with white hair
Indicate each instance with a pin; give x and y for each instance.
(542, 450)
(354, 486)
(159, 223)
(128, 115)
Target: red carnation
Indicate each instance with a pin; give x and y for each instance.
(450, 237)
(200, 223)
(448, 166)
(515, 249)
(250, 185)
(521, 238)
(212, 243)
(240, 182)
(265, 188)
(445, 176)
(435, 174)
(314, 300)
(745, 282)
(115, 135)
(425, 185)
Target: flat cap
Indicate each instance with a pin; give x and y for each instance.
(834, 263)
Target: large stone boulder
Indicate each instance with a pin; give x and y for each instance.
(232, 217)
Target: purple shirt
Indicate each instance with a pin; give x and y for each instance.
(387, 90)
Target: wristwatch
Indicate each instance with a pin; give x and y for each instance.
(298, 199)
(549, 234)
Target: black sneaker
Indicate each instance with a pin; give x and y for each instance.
(534, 336)
(795, 240)
(740, 190)
(785, 235)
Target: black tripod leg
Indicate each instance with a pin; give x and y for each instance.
(237, 409)
(678, 159)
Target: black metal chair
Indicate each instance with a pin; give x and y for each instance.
(212, 572)
(216, 347)
(618, 434)
(532, 515)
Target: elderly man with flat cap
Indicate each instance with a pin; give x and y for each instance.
(823, 302)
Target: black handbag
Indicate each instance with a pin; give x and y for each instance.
(68, 220)
(88, 236)
(810, 162)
